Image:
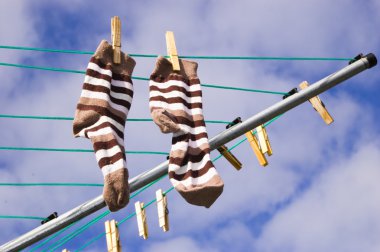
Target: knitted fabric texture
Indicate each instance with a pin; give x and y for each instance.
(100, 116)
(176, 107)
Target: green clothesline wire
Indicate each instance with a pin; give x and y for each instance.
(21, 217)
(170, 189)
(72, 118)
(74, 234)
(88, 150)
(119, 223)
(51, 184)
(183, 57)
(100, 185)
(77, 150)
(86, 226)
(139, 78)
(151, 202)
(52, 237)
(92, 222)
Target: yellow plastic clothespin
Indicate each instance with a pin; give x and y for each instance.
(263, 140)
(112, 236)
(230, 157)
(172, 50)
(116, 39)
(141, 220)
(318, 106)
(162, 209)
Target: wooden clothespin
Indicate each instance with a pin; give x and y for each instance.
(318, 106)
(116, 39)
(256, 149)
(112, 236)
(253, 142)
(263, 140)
(141, 220)
(162, 209)
(172, 50)
(230, 157)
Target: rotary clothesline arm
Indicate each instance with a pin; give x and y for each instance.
(224, 137)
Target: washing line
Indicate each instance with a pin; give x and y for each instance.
(77, 150)
(101, 185)
(133, 214)
(224, 137)
(181, 57)
(63, 118)
(140, 78)
(84, 227)
(21, 217)
(52, 184)
(121, 222)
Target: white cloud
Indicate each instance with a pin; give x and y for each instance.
(183, 244)
(338, 212)
(304, 148)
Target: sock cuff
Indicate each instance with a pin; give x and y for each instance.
(104, 54)
(163, 71)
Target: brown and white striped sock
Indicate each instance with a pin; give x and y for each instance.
(176, 106)
(100, 116)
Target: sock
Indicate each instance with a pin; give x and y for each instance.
(175, 101)
(100, 116)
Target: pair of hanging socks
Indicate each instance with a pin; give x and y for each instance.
(175, 101)
(100, 116)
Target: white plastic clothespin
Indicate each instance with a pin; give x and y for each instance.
(172, 50)
(112, 236)
(162, 209)
(116, 39)
(141, 219)
(318, 105)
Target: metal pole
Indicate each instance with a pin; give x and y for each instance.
(224, 137)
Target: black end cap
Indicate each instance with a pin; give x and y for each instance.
(234, 122)
(291, 92)
(50, 217)
(372, 60)
(356, 58)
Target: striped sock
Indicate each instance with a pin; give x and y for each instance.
(176, 106)
(100, 116)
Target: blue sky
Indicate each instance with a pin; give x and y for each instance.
(320, 189)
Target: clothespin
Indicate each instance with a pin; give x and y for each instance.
(318, 105)
(256, 149)
(172, 50)
(65, 250)
(141, 220)
(112, 236)
(230, 157)
(50, 217)
(253, 142)
(162, 209)
(262, 137)
(116, 39)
